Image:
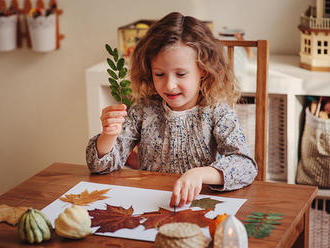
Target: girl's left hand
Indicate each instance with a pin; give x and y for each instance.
(187, 187)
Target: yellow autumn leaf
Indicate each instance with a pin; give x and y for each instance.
(85, 197)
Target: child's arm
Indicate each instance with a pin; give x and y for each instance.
(109, 150)
(112, 119)
(234, 168)
(189, 185)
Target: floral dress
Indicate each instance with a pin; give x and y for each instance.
(176, 141)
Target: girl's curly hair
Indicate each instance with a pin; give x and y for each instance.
(218, 84)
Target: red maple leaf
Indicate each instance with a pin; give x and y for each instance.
(158, 218)
(113, 218)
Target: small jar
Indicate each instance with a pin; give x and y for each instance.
(180, 235)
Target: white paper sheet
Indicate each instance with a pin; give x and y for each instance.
(142, 200)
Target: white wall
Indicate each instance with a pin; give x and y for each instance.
(42, 95)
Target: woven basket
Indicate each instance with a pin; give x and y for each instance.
(277, 139)
(180, 235)
(319, 223)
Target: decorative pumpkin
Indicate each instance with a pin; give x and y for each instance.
(34, 226)
(215, 222)
(73, 223)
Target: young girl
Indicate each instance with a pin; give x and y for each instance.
(182, 120)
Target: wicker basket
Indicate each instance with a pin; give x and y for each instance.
(277, 140)
(319, 223)
(180, 235)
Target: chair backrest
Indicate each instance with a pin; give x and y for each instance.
(261, 97)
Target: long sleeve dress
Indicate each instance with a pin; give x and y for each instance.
(176, 141)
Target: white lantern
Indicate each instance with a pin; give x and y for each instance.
(230, 233)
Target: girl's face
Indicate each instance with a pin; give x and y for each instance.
(176, 76)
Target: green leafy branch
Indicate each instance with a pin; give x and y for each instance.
(260, 225)
(120, 87)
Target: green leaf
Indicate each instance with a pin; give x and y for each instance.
(112, 74)
(120, 64)
(122, 73)
(125, 83)
(253, 221)
(260, 225)
(114, 89)
(111, 64)
(126, 91)
(116, 96)
(272, 222)
(258, 214)
(115, 54)
(255, 216)
(108, 47)
(112, 81)
(275, 214)
(274, 217)
(127, 101)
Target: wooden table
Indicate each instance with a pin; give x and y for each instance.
(40, 190)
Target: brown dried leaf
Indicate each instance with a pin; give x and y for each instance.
(11, 214)
(164, 216)
(85, 198)
(206, 203)
(113, 218)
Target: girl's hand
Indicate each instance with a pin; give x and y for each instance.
(187, 187)
(112, 119)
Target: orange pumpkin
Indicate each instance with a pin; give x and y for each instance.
(215, 222)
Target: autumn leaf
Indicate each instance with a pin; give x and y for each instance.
(113, 218)
(163, 216)
(84, 198)
(205, 203)
(10, 214)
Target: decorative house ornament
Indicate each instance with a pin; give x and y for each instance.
(230, 233)
(314, 37)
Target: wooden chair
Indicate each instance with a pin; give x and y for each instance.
(261, 97)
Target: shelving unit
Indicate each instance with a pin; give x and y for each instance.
(288, 84)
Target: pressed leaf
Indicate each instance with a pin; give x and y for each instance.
(274, 217)
(111, 64)
(261, 224)
(253, 221)
(275, 214)
(112, 74)
(255, 216)
(10, 214)
(205, 203)
(272, 222)
(85, 197)
(120, 64)
(259, 214)
(164, 216)
(113, 218)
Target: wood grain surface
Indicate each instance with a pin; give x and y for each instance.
(40, 190)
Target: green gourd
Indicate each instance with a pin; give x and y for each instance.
(34, 227)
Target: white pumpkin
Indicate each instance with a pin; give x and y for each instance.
(73, 223)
